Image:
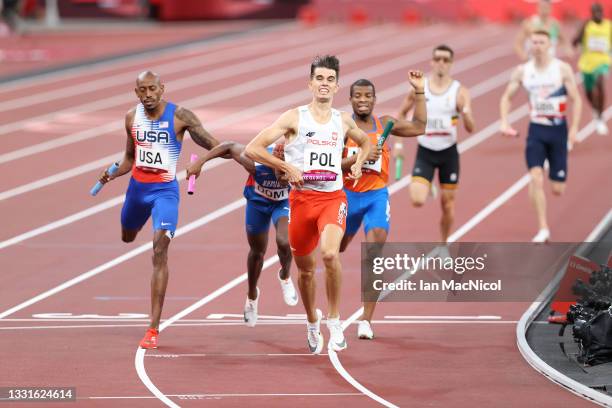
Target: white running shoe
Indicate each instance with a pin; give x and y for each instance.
(542, 236)
(364, 330)
(289, 293)
(314, 337)
(250, 311)
(600, 127)
(337, 342)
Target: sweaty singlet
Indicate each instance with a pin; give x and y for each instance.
(547, 94)
(442, 118)
(318, 148)
(374, 174)
(157, 149)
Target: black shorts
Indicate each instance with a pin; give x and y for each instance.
(446, 161)
(548, 143)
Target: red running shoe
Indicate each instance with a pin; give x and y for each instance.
(149, 341)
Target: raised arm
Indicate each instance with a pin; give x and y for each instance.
(579, 35)
(416, 126)
(407, 104)
(505, 102)
(228, 149)
(572, 92)
(256, 150)
(464, 106)
(191, 123)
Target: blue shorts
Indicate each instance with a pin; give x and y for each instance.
(258, 215)
(372, 207)
(144, 199)
(548, 142)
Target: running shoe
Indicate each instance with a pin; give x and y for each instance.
(250, 311)
(542, 236)
(600, 127)
(364, 330)
(289, 293)
(149, 341)
(314, 336)
(337, 342)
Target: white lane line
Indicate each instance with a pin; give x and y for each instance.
(464, 229)
(240, 323)
(120, 259)
(205, 396)
(446, 317)
(87, 212)
(135, 62)
(241, 89)
(296, 54)
(177, 65)
(385, 95)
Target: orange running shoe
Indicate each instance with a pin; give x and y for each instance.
(149, 341)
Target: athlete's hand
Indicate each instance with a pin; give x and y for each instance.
(281, 176)
(194, 169)
(417, 80)
(294, 176)
(374, 154)
(507, 130)
(104, 177)
(355, 173)
(572, 138)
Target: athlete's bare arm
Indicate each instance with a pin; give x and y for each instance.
(416, 126)
(521, 37)
(572, 92)
(125, 166)
(361, 139)
(504, 104)
(407, 104)
(227, 149)
(256, 150)
(464, 106)
(187, 120)
(580, 35)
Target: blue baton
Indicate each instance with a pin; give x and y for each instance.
(111, 170)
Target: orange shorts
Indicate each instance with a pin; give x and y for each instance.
(309, 212)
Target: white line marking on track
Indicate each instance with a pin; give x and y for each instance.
(204, 396)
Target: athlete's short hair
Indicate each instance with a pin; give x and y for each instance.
(325, 61)
(541, 32)
(444, 47)
(363, 82)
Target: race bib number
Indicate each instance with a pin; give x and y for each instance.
(598, 44)
(274, 194)
(321, 160)
(439, 125)
(151, 159)
(371, 165)
(547, 107)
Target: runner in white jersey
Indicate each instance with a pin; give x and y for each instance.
(549, 83)
(314, 139)
(446, 101)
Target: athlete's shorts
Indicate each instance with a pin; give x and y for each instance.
(446, 161)
(372, 207)
(548, 142)
(310, 212)
(258, 215)
(143, 199)
(590, 78)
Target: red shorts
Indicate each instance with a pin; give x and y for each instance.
(310, 211)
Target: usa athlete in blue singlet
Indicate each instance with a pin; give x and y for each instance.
(155, 130)
(267, 200)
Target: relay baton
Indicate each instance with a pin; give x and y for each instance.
(111, 170)
(385, 133)
(319, 176)
(191, 183)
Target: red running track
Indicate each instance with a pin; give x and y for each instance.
(85, 334)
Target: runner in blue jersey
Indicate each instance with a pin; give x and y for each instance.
(267, 200)
(155, 129)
